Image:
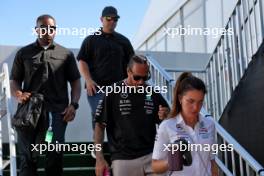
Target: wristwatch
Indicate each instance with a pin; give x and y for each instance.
(75, 105)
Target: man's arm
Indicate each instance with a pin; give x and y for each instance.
(101, 163)
(69, 112)
(75, 90)
(16, 92)
(16, 78)
(84, 55)
(14, 86)
(102, 116)
(85, 72)
(159, 166)
(129, 52)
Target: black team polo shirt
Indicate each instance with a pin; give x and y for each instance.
(130, 120)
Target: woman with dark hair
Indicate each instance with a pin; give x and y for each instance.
(189, 127)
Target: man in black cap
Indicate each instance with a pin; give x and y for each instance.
(103, 57)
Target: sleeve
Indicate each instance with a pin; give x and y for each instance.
(84, 53)
(162, 139)
(18, 70)
(72, 71)
(102, 112)
(129, 52)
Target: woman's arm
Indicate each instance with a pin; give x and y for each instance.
(159, 166)
(159, 156)
(214, 168)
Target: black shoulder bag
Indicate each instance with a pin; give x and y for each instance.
(28, 114)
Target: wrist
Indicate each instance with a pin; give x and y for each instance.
(100, 157)
(89, 80)
(75, 105)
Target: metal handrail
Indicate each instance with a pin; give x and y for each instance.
(233, 53)
(226, 67)
(258, 169)
(184, 70)
(6, 94)
(164, 79)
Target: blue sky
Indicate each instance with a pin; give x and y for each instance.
(18, 18)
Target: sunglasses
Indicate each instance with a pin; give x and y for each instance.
(144, 78)
(47, 27)
(108, 18)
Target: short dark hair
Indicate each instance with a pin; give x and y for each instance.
(139, 59)
(44, 16)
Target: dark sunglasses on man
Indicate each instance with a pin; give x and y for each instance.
(109, 18)
(47, 29)
(144, 78)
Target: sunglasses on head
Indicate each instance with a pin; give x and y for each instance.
(108, 18)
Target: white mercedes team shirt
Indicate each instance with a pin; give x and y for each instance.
(203, 134)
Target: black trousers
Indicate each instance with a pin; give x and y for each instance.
(29, 157)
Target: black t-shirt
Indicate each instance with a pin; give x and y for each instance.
(130, 120)
(107, 56)
(61, 67)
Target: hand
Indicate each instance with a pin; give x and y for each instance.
(22, 97)
(91, 87)
(100, 166)
(163, 112)
(69, 113)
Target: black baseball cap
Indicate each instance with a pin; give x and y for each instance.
(110, 11)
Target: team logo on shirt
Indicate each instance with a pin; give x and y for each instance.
(148, 96)
(125, 107)
(124, 95)
(203, 131)
(181, 133)
(178, 126)
(149, 105)
(201, 124)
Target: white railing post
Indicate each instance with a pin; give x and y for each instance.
(11, 131)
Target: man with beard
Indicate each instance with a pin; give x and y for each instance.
(130, 120)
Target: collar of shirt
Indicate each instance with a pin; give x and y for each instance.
(198, 125)
(37, 45)
(113, 34)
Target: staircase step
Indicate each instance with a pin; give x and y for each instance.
(75, 160)
(72, 171)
